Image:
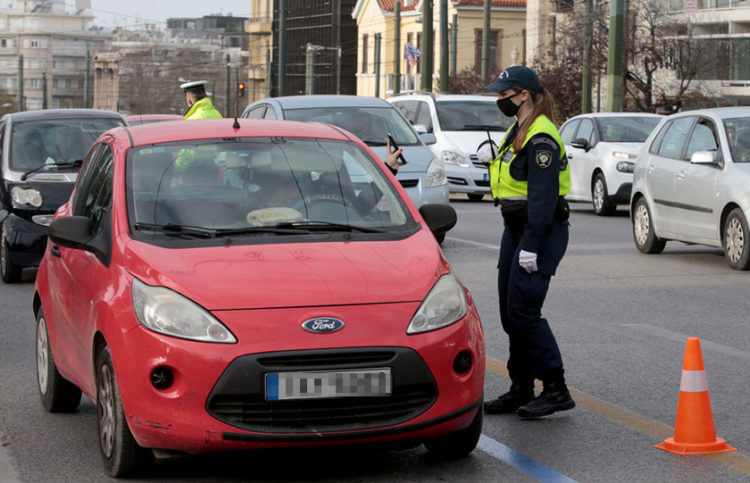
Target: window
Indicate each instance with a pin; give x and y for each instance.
(495, 55)
(93, 196)
(674, 139)
(567, 131)
(704, 138)
(423, 116)
(364, 53)
(586, 131)
(408, 109)
(256, 112)
(270, 113)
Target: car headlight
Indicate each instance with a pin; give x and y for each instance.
(444, 305)
(436, 173)
(26, 196)
(621, 154)
(625, 166)
(449, 157)
(167, 312)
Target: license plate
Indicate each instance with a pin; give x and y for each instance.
(328, 384)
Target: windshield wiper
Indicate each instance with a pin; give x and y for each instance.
(482, 127)
(174, 229)
(326, 226)
(374, 142)
(75, 164)
(256, 229)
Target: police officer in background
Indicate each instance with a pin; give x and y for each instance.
(201, 106)
(529, 177)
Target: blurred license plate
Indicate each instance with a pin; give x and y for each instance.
(328, 384)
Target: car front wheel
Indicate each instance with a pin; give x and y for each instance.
(121, 454)
(460, 443)
(603, 203)
(57, 393)
(643, 230)
(735, 240)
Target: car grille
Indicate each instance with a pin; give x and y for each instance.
(238, 398)
(458, 181)
(409, 183)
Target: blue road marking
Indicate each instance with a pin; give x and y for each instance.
(520, 461)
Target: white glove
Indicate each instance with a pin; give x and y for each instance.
(527, 260)
(486, 151)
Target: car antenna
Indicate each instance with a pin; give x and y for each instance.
(236, 124)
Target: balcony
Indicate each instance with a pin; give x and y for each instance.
(259, 26)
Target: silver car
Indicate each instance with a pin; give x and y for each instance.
(692, 183)
(601, 148)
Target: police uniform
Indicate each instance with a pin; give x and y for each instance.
(529, 186)
(203, 108)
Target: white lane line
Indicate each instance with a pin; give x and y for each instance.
(678, 337)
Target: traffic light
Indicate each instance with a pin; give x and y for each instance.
(241, 89)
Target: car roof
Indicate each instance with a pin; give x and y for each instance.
(719, 112)
(617, 114)
(164, 132)
(301, 102)
(139, 117)
(445, 97)
(61, 114)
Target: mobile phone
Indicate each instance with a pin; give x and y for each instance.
(395, 146)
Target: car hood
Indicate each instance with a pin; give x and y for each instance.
(418, 158)
(467, 142)
(293, 274)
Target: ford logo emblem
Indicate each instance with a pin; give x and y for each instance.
(322, 325)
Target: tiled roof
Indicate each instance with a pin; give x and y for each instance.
(388, 5)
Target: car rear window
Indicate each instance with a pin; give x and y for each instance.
(235, 184)
(634, 129)
(471, 116)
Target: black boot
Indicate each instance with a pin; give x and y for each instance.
(511, 400)
(555, 397)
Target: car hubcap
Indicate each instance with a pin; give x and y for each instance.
(106, 413)
(641, 225)
(735, 240)
(42, 356)
(598, 194)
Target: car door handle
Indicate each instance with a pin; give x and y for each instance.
(55, 250)
(681, 175)
(651, 168)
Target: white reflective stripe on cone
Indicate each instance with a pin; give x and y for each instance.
(693, 381)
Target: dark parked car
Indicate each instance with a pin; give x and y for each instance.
(41, 154)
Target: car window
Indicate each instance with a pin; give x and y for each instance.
(55, 141)
(370, 124)
(408, 109)
(738, 136)
(703, 138)
(270, 113)
(621, 129)
(675, 138)
(586, 131)
(472, 115)
(256, 112)
(654, 148)
(568, 130)
(220, 184)
(424, 117)
(94, 194)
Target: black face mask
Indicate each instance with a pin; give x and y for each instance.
(508, 107)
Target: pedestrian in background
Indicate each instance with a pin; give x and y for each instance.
(201, 106)
(529, 177)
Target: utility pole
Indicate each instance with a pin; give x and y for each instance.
(21, 103)
(397, 47)
(615, 57)
(268, 71)
(86, 80)
(377, 64)
(309, 67)
(338, 70)
(444, 88)
(282, 47)
(428, 54)
(486, 42)
(226, 88)
(236, 82)
(454, 43)
(44, 90)
(586, 81)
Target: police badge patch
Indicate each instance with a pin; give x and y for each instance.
(543, 159)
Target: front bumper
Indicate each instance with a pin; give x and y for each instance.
(217, 400)
(472, 180)
(26, 240)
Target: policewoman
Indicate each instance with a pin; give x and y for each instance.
(198, 101)
(529, 177)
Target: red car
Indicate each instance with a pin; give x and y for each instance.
(222, 285)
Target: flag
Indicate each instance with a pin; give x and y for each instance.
(411, 53)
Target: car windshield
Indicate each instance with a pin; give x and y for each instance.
(738, 136)
(631, 129)
(36, 145)
(370, 124)
(471, 116)
(246, 186)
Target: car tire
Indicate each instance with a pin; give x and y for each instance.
(475, 197)
(604, 205)
(735, 238)
(58, 395)
(10, 272)
(643, 230)
(460, 443)
(121, 454)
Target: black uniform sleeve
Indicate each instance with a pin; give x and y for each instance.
(543, 157)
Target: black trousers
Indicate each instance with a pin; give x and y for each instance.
(533, 349)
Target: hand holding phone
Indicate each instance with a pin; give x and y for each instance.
(392, 144)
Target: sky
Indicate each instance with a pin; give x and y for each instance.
(134, 13)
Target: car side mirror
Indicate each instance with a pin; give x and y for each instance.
(581, 143)
(428, 138)
(420, 128)
(704, 157)
(439, 218)
(72, 232)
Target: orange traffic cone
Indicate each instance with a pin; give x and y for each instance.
(694, 431)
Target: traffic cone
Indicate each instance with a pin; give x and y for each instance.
(694, 431)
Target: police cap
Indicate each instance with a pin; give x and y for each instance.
(516, 76)
(194, 85)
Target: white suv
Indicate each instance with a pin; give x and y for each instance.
(460, 123)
